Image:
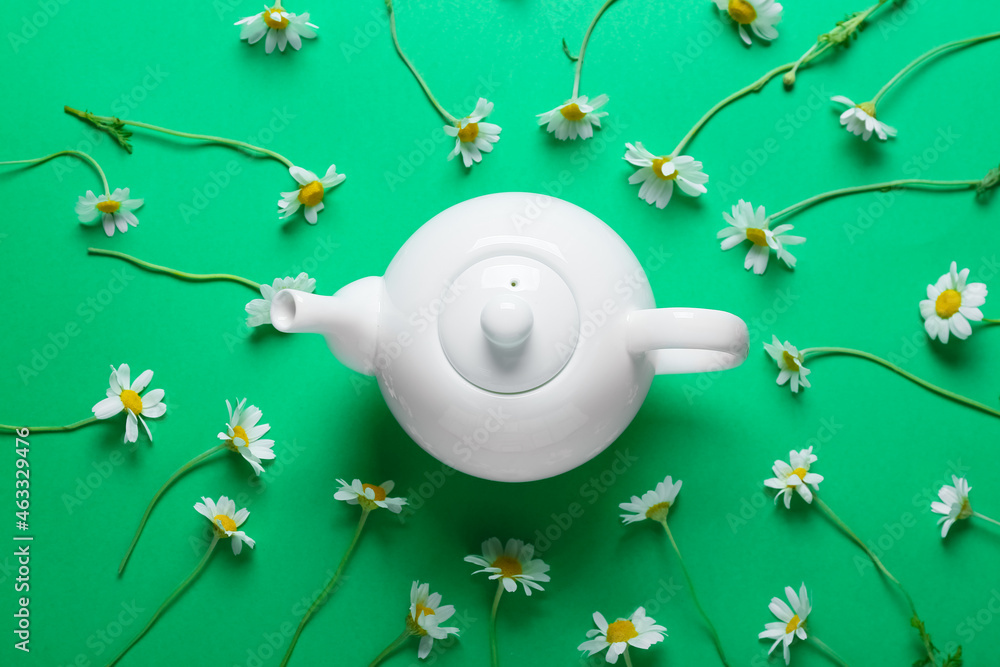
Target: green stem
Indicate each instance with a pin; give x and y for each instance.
(183, 275)
(958, 398)
(79, 154)
(904, 183)
(989, 321)
(830, 653)
(326, 591)
(583, 45)
(423, 84)
(173, 596)
(95, 119)
(156, 498)
(51, 429)
(930, 55)
(494, 650)
(694, 596)
(399, 641)
(986, 518)
(628, 660)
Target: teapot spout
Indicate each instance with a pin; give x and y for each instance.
(348, 319)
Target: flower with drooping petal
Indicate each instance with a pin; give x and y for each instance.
(310, 195)
(577, 117)
(638, 631)
(790, 363)
(653, 504)
(859, 119)
(789, 478)
(125, 398)
(760, 15)
(259, 310)
(511, 564)
(370, 496)
(472, 136)
(791, 620)
(243, 434)
(658, 173)
(426, 615)
(951, 303)
(281, 27)
(954, 503)
(115, 210)
(745, 224)
(226, 520)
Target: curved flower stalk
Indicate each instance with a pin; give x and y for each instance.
(791, 625)
(951, 304)
(226, 522)
(637, 631)
(244, 435)
(656, 505)
(510, 564)
(862, 119)
(955, 505)
(760, 15)
(278, 26)
(370, 497)
(424, 621)
(311, 189)
(473, 137)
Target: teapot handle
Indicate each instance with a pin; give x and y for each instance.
(688, 340)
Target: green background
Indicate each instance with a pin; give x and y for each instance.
(885, 446)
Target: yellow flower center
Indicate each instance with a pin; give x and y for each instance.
(109, 206)
(131, 401)
(801, 472)
(378, 490)
(948, 303)
(469, 132)
(742, 11)
(792, 624)
(426, 611)
(509, 567)
(868, 108)
(756, 236)
(621, 631)
(227, 522)
(280, 24)
(966, 510)
(658, 169)
(311, 194)
(572, 112)
(240, 434)
(790, 361)
(658, 512)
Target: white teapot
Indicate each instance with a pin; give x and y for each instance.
(514, 336)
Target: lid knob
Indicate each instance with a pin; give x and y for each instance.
(506, 320)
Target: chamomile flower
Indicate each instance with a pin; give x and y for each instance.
(790, 363)
(954, 504)
(860, 119)
(760, 15)
(577, 117)
(745, 224)
(472, 136)
(426, 616)
(653, 504)
(791, 620)
(310, 194)
(951, 303)
(511, 564)
(795, 476)
(281, 27)
(243, 434)
(115, 210)
(226, 520)
(369, 496)
(658, 173)
(637, 631)
(123, 397)
(259, 310)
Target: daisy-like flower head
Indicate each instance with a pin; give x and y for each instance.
(789, 478)
(259, 310)
(226, 520)
(638, 630)
(115, 210)
(745, 224)
(951, 303)
(791, 620)
(954, 503)
(281, 27)
(790, 363)
(125, 398)
(511, 564)
(760, 15)
(243, 434)
(472, 136)
(310, 194)
(369, 496)
(860, 119)
(653, 504)
(576, 117)
(658, 173)
(426, 615)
